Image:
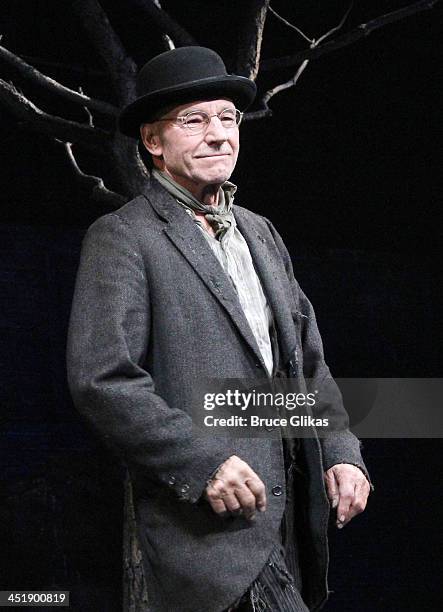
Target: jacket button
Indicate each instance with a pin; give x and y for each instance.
(184, 488)
(277, 490)
(171, 480)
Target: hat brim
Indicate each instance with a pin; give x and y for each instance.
(240, 89)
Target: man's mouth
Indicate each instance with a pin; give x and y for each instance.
(213, 155)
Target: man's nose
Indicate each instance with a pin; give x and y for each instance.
(215, 130)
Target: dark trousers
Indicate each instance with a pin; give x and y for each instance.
(275, 589)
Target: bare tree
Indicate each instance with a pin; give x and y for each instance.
(125, 167)
(98, 135)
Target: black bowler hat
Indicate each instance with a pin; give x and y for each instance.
(179, 76)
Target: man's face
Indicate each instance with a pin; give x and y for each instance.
(194, 160)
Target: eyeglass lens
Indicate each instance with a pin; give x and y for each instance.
(199, 119)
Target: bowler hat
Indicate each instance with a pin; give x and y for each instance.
(182, 75)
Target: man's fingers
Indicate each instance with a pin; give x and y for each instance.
(332, 488)
(352, 487)
(360, 499)
(217, 504)
(247, 501)
(258, 489)
(241, 499)
(346, 492)
(236, 487)
(232, 503)
(215, 494)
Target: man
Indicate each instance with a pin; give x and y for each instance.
(179, 285)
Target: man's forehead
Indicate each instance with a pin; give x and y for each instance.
(218, 104)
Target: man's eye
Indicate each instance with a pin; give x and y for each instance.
(227, 116)
(195, 120)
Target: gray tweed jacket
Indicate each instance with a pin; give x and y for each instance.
(152, 313)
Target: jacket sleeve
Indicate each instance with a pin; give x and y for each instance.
(108, 339)
(340, 446)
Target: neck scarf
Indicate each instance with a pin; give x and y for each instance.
(220, 217)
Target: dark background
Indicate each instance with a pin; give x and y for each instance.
(348, 169)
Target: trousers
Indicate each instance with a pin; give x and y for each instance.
(273, 591)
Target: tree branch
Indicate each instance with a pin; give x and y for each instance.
(121, 68)
(169, 43)
(88, 112)
(33, 75)
(265, 110)
(95, 184)
(316, 50)
(135, 593)
(290, 25)
(350, 37)
(248, 57)
(34, 118)
(81, 70)
(164, 23)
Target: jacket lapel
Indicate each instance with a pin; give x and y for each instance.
(181, 231)
(275, 285)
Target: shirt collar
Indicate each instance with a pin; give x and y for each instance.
(227, 190)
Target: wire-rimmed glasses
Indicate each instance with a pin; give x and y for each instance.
(197, 121)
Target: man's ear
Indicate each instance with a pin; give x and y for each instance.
(151, 139)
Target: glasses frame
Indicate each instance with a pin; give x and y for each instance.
(182, 120)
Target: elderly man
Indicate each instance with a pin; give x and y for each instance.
(178, 285)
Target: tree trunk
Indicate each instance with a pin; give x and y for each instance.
(135, 594)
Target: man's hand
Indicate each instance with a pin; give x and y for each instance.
(236, 488)
(348, 489)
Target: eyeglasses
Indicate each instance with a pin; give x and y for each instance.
(198, 121)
